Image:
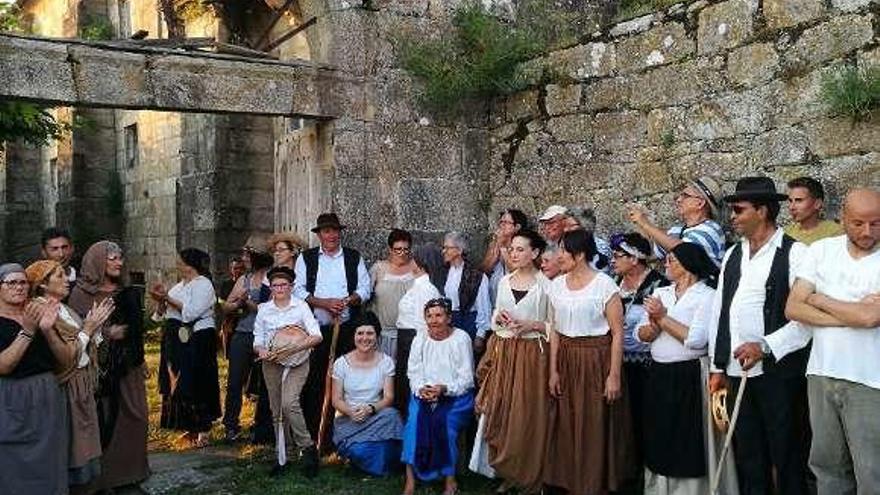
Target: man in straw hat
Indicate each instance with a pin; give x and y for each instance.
(756, 275)
(837, 294)
(335, 282)
(698, 205)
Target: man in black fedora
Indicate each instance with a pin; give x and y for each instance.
(335, 282)
(756, 276)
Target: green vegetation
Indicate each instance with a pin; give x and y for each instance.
(190, 10)
(628, 9)
(11, 18)
(667, 139)
(96, 29)
(478, 57)
(852, 92)
(29, 123)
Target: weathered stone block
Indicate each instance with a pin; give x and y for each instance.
(522, 105)
(729, 167)
(785, 146)
(786, 13)
(869, 58)
(725, 25)
(615, 131)
(749, 112)
(365, 202)
(441, 205)
(584, 61)
(799, 98)
(662, 45)
(841, 136)
(563, 99)
(571, 128)
(632, 26)
(35, 69)
(677, 84)
(833, 39)
(395, 97)
(413, 150)
(850, 5)
(752, 64)
(607, 94)
(402, 7)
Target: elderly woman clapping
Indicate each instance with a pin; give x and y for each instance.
(367, 430)
(675, 454)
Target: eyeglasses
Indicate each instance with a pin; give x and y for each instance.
(281, 249)
(18, 284)
(279, 286)
(505, 222)
(401, 250)
(685, 194)
(447, 248)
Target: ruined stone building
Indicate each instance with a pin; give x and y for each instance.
(726, 87)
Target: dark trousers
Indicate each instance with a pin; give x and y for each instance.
(312, 395)
(242, 374)
(402, 390)
(767, 435)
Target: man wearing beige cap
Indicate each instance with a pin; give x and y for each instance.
(698, 206)
(552, 223)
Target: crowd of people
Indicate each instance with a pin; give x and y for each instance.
(559, 362)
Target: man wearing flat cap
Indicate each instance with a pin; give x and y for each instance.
(698, 206)
(335, 282)
(749, 305)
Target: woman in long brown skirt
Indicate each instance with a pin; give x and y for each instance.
(590, 442)
(513, 402)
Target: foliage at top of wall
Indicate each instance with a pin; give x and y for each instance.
(96, 29)
(479, 54)
(30, 123)
(190, 10)
(11, 18)
(852, 92)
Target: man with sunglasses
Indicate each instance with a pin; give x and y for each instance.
(749, 305)
(698, 208)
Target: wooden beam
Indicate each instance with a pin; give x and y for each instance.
(275, 18)
(240, 50)
(290, 34)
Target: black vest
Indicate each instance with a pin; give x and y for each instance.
(776, 291)
(350, 257)
(468, 288)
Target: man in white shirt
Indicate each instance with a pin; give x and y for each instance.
(756, 275)
(468, 289)
(335, 282)
(837, 295)
(57, 245)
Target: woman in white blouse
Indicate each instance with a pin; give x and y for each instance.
(513, 401)
(367, 430)
(441, 374)
(188, 378)
(590, 441)
(675, 452)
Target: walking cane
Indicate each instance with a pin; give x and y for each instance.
(328, 386)
(729, 437)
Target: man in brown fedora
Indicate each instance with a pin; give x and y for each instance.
(335, 282)
(756, 276)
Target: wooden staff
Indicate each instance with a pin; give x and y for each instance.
(729, 437)
(328, 386)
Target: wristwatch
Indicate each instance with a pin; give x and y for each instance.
(765, 348)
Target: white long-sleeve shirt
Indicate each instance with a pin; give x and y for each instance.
(747, 305)
(330, 282)
(197, 298)
(448, 362)
(695, 300)
(271, 318)
(482, 304)
(411, 308)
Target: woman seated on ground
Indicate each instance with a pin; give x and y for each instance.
(367, 430)
(675, 453)
(441, 375)
(49, 287)
(33, 423)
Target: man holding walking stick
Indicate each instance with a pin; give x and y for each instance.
(334, 281)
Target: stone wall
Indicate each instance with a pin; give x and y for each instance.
(727, 88)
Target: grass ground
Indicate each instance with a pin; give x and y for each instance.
(243, 469)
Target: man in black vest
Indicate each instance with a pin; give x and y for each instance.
(335, 282)
(756, 276)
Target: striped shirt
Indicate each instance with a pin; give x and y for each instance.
(707, 234)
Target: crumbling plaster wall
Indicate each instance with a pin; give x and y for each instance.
(728, 88)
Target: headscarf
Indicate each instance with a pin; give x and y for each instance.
(7, 269)
(694, 259)
(91, 276)
(38, 271)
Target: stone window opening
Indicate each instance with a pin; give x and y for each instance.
(131, 146)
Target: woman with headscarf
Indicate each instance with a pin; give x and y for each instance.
(49, 286)
(513, 400)
(675, 452)
(637, 280)
(188, 378)
(590, 441)
(33, 423)
(121, 394)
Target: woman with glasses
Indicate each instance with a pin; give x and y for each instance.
(285, 247)
(513, 401)
(49, 286)
(285, 332)
(188, 378)
(367, 429)
(33, 423)
(590, 441)
(121, 392)
(629, 260)
(675, 452)
(391, 279)
(441, 376)
(496, 262)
